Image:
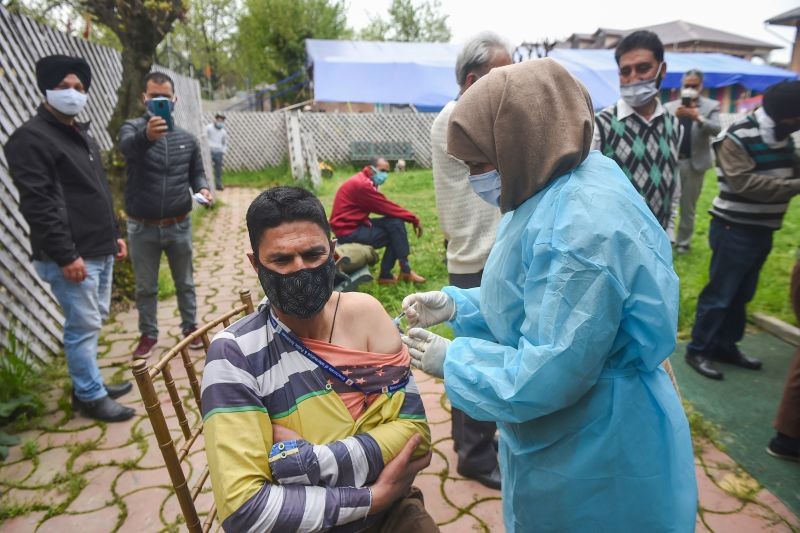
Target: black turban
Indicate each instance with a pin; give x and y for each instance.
(782, 100)
(51, 70)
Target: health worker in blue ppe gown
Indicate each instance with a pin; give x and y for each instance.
(562, 343)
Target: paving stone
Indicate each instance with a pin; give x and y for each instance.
(133, 480)
(54, 440)
(465, 523)
(117, 456)
(144, 510)
(17, 472)
(490, 513)
(96, 494)
(747, 520)
(713, 498)
(438, 507)
(29, 497)
(101, 521)
(15, 453)
(51, 462)
(119, 433)
(22, 524)
(768, 499)
(464, 493)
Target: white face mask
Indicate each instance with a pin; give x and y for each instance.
(641, 92)
(689, 92)
(67, 101)
(487, 186)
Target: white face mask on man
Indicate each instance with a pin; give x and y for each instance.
(67, 101)
(641, 92)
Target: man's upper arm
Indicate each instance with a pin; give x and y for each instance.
(711, 122)
(132, 140)
(196, 172)
(738, 169)
(41, 200)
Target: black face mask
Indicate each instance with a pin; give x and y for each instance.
(301, 294)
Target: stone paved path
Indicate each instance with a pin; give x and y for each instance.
(72, 474)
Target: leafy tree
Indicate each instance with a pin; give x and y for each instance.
(205, 38)
(272, 33)
(409, 21)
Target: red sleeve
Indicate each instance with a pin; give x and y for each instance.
(375, 202)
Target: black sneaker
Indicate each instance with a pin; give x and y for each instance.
(784, 447)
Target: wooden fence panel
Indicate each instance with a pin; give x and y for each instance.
(26, 303)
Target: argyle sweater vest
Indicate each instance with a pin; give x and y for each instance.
(646, 152)
(777, 162)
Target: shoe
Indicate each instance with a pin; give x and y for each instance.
(703, 365)
(115, 391)
(682, 249)
(487, 479)
(412, 277)
(105, 409)
(197, 343)
(737, 358)
(144, 347)
(220, 187)
(388, 281)
(784, 447)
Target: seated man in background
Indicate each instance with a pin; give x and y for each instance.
(310, 409)
(355, 200)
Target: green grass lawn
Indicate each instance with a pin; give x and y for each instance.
(414, 190)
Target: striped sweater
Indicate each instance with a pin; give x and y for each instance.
(772, 163)
(253, 378)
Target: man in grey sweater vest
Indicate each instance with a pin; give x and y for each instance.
(758, 174)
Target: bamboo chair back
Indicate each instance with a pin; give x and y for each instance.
(173, 457)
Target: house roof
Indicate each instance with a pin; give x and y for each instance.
(790, 18)
(680, 31)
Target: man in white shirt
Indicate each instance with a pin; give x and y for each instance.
(469, 225)
(218, 144)
(638, 133)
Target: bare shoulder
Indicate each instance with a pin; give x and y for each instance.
(367, 318)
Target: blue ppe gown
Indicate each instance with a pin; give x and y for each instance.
(562, 345)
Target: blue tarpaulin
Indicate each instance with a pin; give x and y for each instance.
(423, 74)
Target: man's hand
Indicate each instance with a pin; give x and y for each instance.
(207, 195)
(75, 271)
(427, 350)
(282, 434)
(122, 250)
(397, 476)
(156, 128)
(690, 112)
(418, 229)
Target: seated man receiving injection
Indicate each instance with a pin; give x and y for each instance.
(311, 412)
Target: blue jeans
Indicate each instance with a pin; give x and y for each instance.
(737, 254)
(85, 307)
(147, 242)
(216, 158)
(385, 231)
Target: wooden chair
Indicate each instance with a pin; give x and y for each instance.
(173, 458)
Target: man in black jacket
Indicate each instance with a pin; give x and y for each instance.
(164, 162)
(65, 198)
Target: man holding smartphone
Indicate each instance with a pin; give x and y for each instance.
(163, 164)
(699, 118)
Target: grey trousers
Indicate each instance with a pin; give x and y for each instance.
(147, 242)
(691, 186)
(473, 439)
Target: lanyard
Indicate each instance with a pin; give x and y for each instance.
(329, 368)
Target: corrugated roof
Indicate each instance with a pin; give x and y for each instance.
(680, 31)
(790, 18)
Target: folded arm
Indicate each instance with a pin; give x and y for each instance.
(738, 169)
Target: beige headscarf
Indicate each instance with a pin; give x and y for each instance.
(533, 121)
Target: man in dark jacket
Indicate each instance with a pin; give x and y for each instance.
(65, 198)
(164, 162)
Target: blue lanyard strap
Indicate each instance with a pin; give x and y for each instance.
(329, 368)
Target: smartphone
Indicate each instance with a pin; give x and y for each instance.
(685, 102)
(160, 108)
